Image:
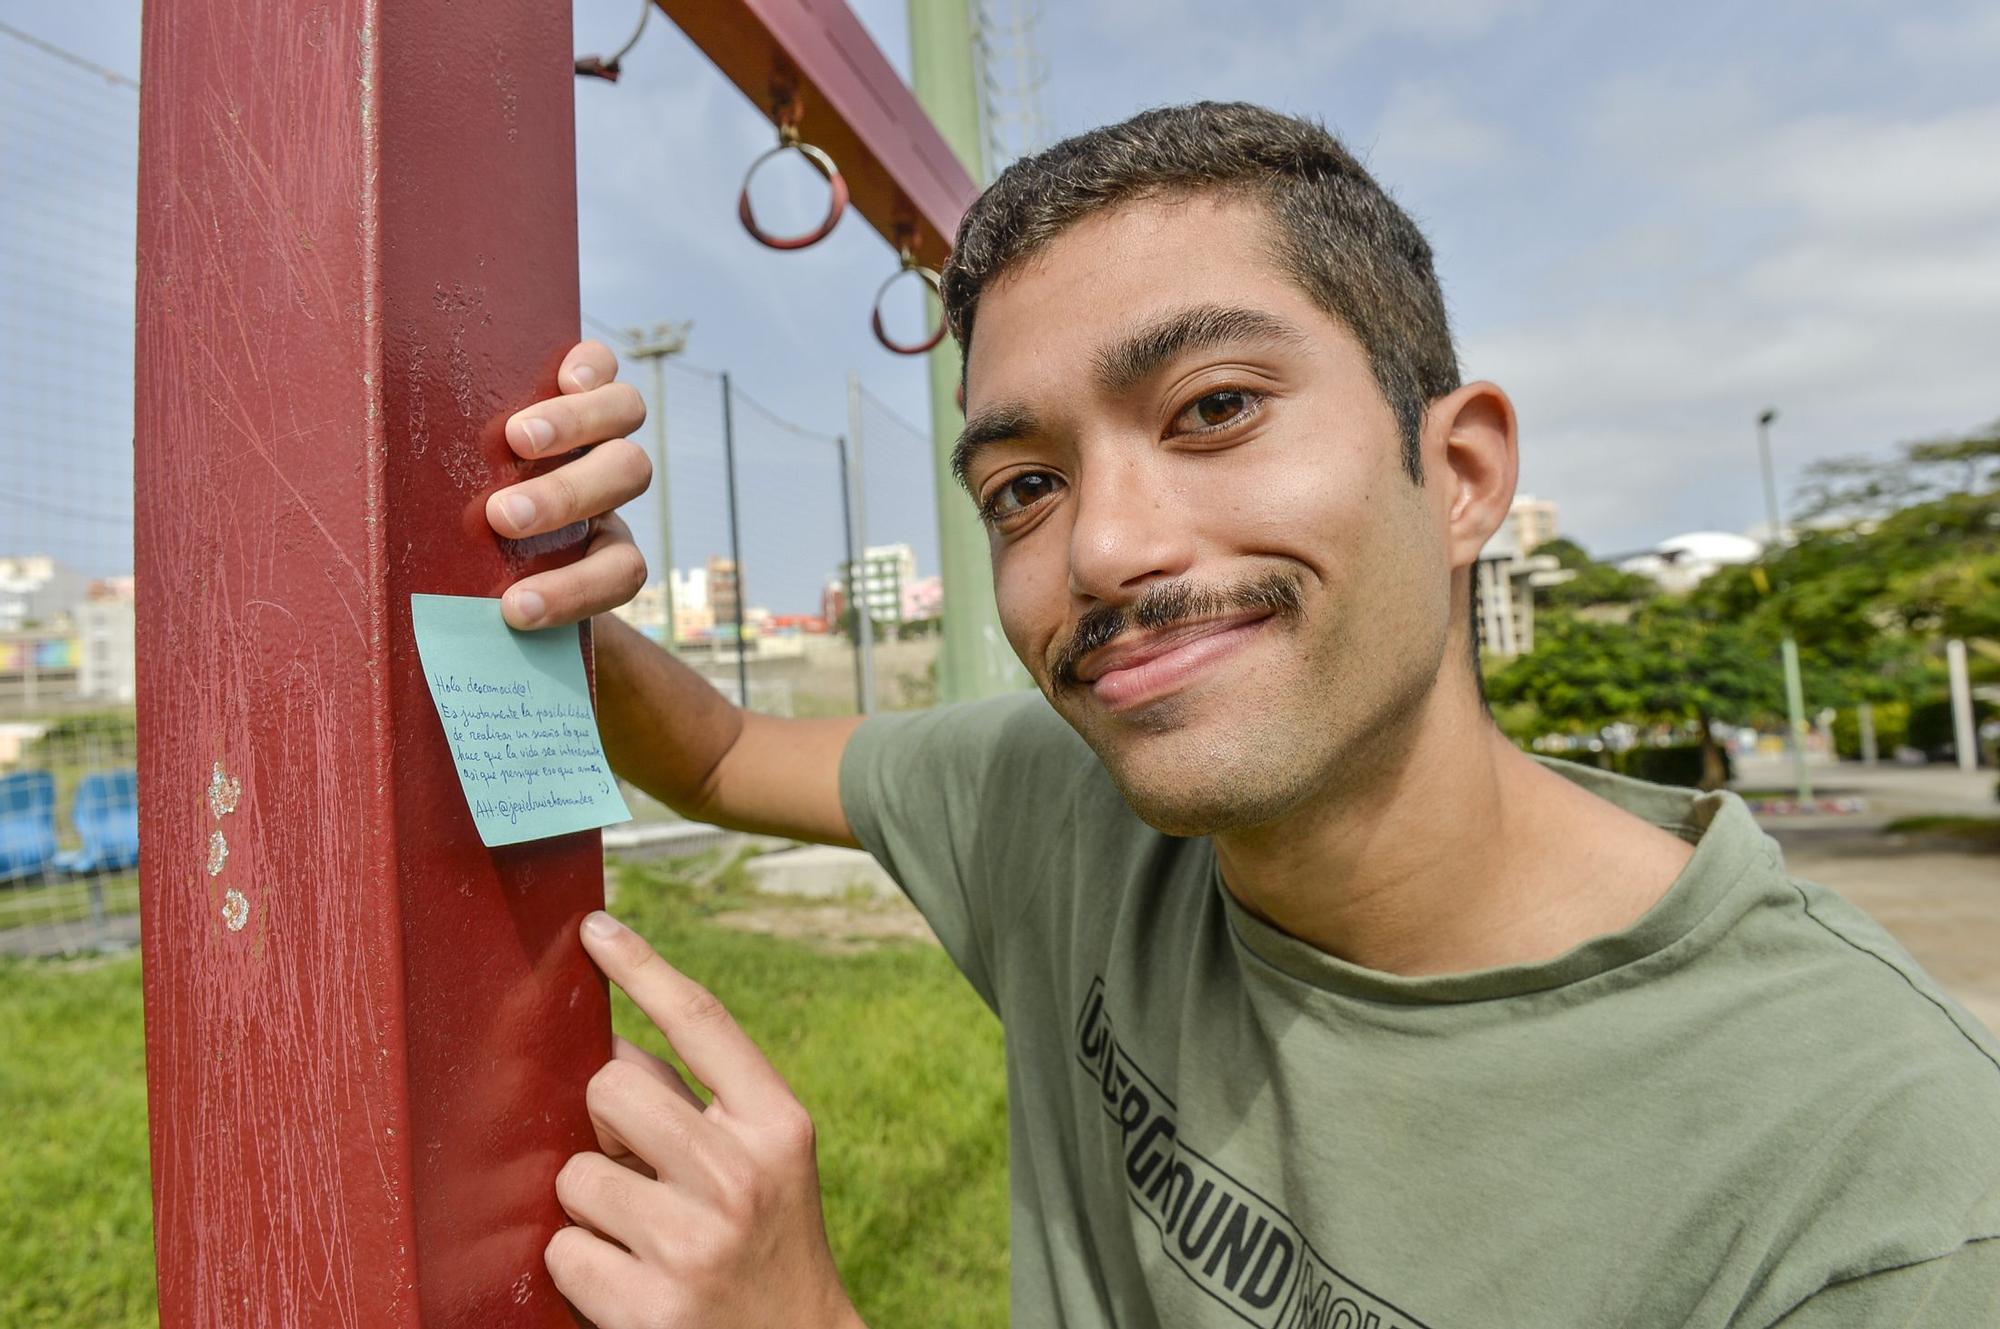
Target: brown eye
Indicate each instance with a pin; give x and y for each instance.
(1216, 410)
(1019, 494)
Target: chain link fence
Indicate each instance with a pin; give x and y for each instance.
(752, 589)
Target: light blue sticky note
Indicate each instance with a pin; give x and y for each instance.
(516, 711)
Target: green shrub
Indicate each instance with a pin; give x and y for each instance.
(1599, 760)
(1932, 729)
(1678, 765)
(1892, 727)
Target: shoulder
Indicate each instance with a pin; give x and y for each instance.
(1891, 998)
(1880, 1098)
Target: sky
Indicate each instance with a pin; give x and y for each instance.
(1652, 222)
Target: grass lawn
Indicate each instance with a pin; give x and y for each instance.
(1980, 831)
(894, 1055)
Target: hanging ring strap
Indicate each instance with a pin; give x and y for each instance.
(836, 203)
(930, 278)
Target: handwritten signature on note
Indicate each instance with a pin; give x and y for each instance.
(516, 713)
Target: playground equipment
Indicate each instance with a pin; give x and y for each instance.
(789, 140)
(836, 203)
(367, 1034)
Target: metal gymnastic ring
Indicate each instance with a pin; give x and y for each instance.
(836, 195)
(930, 278)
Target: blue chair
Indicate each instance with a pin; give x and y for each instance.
(106, 817)
(27, 824)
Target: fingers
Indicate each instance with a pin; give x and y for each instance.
(603, 478)
(705, 1035)
(595, 1275)
(589, 364)
(669, 1135)
(627, 1051)
(561, 424)
(610, 573)
(607, 1198)
(613, 1143)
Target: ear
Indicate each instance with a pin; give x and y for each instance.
(1473, 457)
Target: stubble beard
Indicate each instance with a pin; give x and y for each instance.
(1253, 748)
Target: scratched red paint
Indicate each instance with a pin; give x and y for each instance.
(357, 255)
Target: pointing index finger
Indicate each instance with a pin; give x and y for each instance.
(697, 1025)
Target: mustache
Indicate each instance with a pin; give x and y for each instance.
(1280, 592)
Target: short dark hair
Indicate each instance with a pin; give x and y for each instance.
(1339, 235)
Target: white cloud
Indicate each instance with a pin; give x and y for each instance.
(1970, 37)
(1425, 127)
(1896, 179)
(1845, 267)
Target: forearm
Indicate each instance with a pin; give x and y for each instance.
(665, 728)
(672, 734)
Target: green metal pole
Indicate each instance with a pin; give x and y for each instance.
(974, 659)
(1795, 696)
(1795, 703)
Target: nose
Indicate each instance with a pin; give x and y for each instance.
(1132, 525)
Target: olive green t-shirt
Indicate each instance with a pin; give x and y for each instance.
(1750, 1108)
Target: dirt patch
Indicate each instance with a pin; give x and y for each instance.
(834, 929)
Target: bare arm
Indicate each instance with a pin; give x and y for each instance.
(664, 728)
(672, 734)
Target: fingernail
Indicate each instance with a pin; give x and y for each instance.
(539, 431)
(585, 376)
(520, 510)
(529, 607)
(602, 925)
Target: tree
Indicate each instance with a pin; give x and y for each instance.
(1592, 583)
(1859, 489)
(1670, 664)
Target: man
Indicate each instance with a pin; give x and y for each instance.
(1324, 1005)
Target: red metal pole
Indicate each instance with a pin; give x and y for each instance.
(367, 1034)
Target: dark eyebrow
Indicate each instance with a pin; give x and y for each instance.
(1127, 364)
(996, 424)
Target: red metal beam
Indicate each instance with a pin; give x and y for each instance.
(814, 56)
(367, 1034)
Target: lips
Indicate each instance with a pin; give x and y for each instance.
(1139, 669)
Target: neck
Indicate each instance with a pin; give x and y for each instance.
(1456, 852)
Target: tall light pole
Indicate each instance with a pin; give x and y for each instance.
(666, 339)
(856, 482)
(1795, 699)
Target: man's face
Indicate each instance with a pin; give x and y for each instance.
(1205, 548)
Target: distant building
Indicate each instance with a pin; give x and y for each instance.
(38, 667)
(1685, 561)
(923, 598)
(106, 660)
(36, 591)
(647, 611)
(1533, 520)
(833, 598)
(885, 571)
(723, 591)
(690, 588)
(1503, 595)
(693, 624)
